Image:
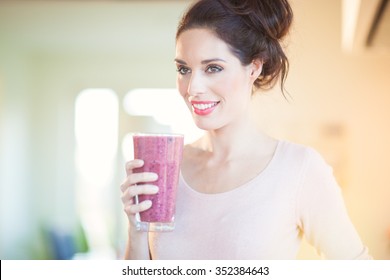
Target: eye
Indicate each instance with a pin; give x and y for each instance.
(213, 69)
(182, 70)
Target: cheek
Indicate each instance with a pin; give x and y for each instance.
(237, 84)
(226, 85)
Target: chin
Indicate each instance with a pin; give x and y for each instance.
(206, 125)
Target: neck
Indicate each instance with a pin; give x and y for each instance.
(232, 142)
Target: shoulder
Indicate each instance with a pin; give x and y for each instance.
(302, 160)
(300, 153)
(316, 181)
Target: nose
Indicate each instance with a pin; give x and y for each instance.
(196, 84)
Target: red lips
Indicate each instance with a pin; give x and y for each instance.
(204, 108)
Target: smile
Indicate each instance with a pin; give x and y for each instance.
(204, 107)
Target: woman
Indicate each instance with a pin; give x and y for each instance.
(242, 194)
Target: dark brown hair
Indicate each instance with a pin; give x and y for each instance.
(252, 29)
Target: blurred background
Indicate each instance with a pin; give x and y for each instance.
(77, 77)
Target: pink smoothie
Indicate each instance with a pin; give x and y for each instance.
(161, 154)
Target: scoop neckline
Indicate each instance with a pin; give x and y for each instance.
(237, 189)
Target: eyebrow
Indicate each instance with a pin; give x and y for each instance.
(206, 61)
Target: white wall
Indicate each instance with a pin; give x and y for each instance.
(17, 213)
(331, 88)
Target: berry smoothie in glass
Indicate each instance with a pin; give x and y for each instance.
(162, 154)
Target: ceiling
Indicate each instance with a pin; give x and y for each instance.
(88, 26)
(381, 31)
(114, 25)
(366, 25)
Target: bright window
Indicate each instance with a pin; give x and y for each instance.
(96, 132)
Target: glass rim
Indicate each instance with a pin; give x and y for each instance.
(164, 134)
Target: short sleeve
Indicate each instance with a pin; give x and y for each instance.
(322, 215)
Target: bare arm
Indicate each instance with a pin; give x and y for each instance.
(137, 244)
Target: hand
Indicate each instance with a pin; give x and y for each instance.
(131, 187)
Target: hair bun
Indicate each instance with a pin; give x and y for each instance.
(271, 17)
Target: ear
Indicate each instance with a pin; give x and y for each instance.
(256, 68)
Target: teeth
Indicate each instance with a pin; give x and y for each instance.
(205, 106)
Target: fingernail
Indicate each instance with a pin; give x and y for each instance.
(148, 203)
(154, 188)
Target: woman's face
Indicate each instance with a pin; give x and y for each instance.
(214, 84)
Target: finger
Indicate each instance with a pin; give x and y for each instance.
(136, 208)
(143, 177)
(138, 190)
(130, 165)
(141, 189)
(137, 178)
